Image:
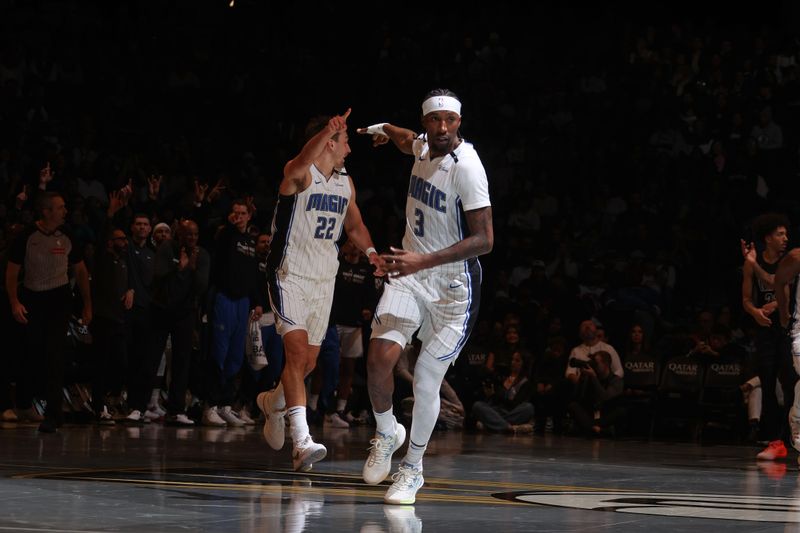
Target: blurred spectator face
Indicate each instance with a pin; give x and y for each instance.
(717, 342)
(188, 234)
(637, 335)
(351, 253)
(516, 362)
(512, 335)
(556, 347)
(262, 244)
(161, 234)
(588, 331)
(240, 216)
(119, 241)
(705, 321)
(140, 229)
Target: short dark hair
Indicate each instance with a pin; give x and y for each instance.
(316, 124)
(765, 224)
(45, 200)
(441, 92)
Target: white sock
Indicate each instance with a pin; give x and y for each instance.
(154, 396)
(341, 405)
(385, 423)
(298, 423)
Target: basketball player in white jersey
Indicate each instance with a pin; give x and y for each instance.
(786, 284)
(317, 201)
(434, 283)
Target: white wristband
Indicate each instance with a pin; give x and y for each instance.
(377, 129)
(369, 251)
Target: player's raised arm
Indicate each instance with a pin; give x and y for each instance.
(385, 132)
(295, 173)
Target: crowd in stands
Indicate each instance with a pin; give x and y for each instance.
(626, 159)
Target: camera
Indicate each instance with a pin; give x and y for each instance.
(578, 363)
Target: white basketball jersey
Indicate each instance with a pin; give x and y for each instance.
(439, 193)
(307, 226)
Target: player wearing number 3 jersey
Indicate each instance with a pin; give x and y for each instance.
(434, 283)
(317, 201)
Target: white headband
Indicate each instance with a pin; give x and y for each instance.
(441, 103)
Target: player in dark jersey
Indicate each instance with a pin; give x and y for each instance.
(772, 346)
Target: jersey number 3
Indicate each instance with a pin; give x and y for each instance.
(419, 223)
(324, 229)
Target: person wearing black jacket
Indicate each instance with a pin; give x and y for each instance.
(111, 300)
(180, 281)
(235, 304)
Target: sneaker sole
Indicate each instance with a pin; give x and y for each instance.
(399, 442)
(308, 463)
(261, 401)
(407, 501)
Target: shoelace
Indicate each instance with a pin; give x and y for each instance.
(379, 449)
(404, 477)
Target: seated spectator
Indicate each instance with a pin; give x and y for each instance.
(637, 345)
(594, 407)
(499, 361)
(590, 344)
(507, 406)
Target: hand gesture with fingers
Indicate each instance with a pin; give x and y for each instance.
(154, 186)
(199, 191)
(217, 190)
(115, 202)
(748, 251)
(250, 202)
(22, 197)
(45, 176)
(379, 136)
(339, 122)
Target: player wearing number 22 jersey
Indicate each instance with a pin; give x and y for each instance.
(307, 226)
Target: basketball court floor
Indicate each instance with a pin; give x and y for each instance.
(164, 479)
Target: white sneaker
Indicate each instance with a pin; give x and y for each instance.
(379, 462)
(135, 417)
(230, 417)
(211, 417)
(305, 454)
(151, 415)
(402, 518)
(244, 416)
(334, 420)
(274, 423)
(795, 427)
(407, 481)
(180, 420)
(104, 418)
(157, 409)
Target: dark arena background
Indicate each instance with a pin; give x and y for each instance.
(629, 150)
